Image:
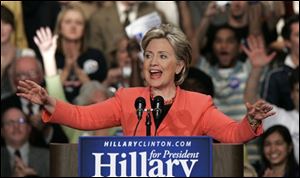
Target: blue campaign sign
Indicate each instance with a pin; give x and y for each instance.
(145, 156)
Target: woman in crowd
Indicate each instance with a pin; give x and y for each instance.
(277, 153)
(78, 63)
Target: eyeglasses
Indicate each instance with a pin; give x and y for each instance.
(20, 121)
(27, 75)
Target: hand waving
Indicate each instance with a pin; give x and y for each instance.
(46, 42)
(256, 52)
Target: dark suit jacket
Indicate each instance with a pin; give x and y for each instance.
(9, 102)
(277, 88)
(38, 160)
(105, 25)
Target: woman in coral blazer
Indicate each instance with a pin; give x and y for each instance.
(167, 55)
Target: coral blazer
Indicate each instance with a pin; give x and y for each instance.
(192, 114)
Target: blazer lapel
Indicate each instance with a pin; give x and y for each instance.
(176, 115)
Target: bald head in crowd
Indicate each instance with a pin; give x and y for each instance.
(27, 68)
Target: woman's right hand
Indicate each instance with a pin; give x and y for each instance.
(36, 94)
(46, 43)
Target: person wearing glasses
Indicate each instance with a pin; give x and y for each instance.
(18, 157)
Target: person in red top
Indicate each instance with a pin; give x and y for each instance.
(167, 56)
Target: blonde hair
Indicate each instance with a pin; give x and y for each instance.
(178, 41)
(57, 30)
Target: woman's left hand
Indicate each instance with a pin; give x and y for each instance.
(259, 110)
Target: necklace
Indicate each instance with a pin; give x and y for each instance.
(166, 102)
(171, 101)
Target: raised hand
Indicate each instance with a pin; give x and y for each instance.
(259, 110)
(256, 52)
(36, 94)
(46, 43)
(211, 9)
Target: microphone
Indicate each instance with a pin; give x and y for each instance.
(158, 106)
(140, 104)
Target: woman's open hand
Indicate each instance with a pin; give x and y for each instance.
(36, 94)
(258, 111)
(32, 92)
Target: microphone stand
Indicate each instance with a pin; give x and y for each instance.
(148, 123)
(136, 127)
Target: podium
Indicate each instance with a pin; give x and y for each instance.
(227, 160)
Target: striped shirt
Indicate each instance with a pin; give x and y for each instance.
(229, 85)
